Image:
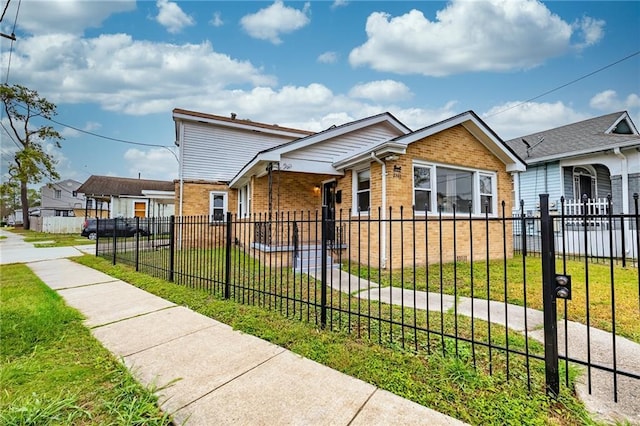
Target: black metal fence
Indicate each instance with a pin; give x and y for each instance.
(482, 288)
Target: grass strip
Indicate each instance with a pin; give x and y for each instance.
(444, 383)
(52, 370)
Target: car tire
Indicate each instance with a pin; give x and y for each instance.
(93, 236)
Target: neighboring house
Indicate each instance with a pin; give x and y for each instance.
(360, 167)
(113, 197)
(62, 199)
(591, 158)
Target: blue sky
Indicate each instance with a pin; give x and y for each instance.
(118, 68)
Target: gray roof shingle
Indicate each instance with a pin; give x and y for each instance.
(581, 137)
(109, 185)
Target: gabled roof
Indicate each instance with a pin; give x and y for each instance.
(274, 154)
(584, 137)
(468, 120)
(100, 186)
(183, 114)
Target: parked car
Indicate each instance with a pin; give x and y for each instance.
(94, 228)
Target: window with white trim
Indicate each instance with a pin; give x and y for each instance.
(362, 187)
(58, 193)
(244, 201)
(436, 186)
(217, 206)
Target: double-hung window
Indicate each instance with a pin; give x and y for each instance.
(217, 206)
(444, 188)
(362, 184)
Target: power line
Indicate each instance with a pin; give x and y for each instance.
(12, 37)
(567, 84)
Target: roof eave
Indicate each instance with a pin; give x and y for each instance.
(588, 151)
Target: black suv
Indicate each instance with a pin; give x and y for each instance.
(107, 227)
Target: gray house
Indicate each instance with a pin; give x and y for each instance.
(61, 199)
(592, 158)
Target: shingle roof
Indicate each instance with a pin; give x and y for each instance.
(581, 137)
(109, 185)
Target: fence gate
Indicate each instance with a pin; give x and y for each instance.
(579, 300)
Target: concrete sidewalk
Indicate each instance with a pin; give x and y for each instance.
(210, 374)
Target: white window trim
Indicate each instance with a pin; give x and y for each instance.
(133, 206)
(477, 208)
(354, 191)
(244, 202)
(225, 206)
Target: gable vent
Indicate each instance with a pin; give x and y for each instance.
(622, 128)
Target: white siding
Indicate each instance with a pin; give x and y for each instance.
(539, 180)
(214, 153)
(331, 150)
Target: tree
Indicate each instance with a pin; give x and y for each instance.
(31, 163)
(9, 196)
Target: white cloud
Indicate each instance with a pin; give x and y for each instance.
(511, 120)
(71, 16)
(269, 23)
(153, 163)
(68, 132)
(339, 3)
(172, 17)
(124, 75)
(609, 101)
(382, 90)
(328, 58)
(470, 36)
(216, 20)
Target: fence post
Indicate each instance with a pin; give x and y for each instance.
(523, 228)
(137, 244)
(97, 237)
(115, 228)
(172, 245)
(323, 262)
(227, 259)
(549, 298)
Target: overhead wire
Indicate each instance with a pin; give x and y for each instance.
(13, 31)
(566, 84)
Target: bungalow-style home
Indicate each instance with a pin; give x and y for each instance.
(113, 197)
(62, 199)
(591, 158)
(357, 169)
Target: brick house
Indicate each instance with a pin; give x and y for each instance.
(368, 169)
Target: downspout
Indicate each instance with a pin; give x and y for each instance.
(383, 214)
(624, 172)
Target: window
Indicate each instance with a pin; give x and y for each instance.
(89, 204)
(139, 209)
(469, 190)
(58, 193)
(217, 206)
(62, 213)
(363, 191)
(244, 201)
(422, 188)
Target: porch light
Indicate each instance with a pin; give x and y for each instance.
(316, 189)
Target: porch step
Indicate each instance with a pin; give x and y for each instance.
(309, 258)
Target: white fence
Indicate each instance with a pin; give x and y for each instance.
(57, 224)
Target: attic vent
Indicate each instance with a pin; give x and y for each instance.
(622, 128)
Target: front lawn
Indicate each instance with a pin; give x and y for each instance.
(43, 239)
(53, 372)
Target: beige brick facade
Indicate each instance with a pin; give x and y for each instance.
(417, 241)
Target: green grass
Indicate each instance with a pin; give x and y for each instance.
(51, 240)
(53, 372)
(380, 352)
(456, 278)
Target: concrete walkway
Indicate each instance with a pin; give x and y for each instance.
(207, 372)
(600, 402)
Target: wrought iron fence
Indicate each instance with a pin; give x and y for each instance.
(459, 284)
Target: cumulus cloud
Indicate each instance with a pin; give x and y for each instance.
(471, 36)
(609, 101)
(269, 23)
(216, 21)
(172, 17)
(90, 126)
(328, 58)
(513, 119)
(382, 90)
(125, 75)
(153, 163)
(71, 16)
(339, 3)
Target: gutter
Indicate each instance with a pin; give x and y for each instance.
(383, 214)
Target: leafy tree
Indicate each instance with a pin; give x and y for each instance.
(31, 163)
(9, 198)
